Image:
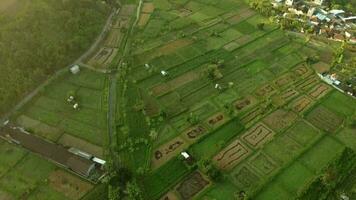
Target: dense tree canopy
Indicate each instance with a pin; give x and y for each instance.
(41, 37)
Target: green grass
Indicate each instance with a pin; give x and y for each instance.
(217, 139)
(160, 180)
(294, 178)
(274, 192)
(340, 103)
(220, 191)
(321, 154)
(9, 156)
(348, 137)
(303, 133)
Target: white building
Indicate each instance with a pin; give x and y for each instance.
(164, 73)
(75, 69)
(319, 2)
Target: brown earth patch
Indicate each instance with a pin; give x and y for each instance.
(289, 94)
(243, 104)
(71, 141)
(103, 57)
(324, 119)
(194, 133)
(258, 135)
(170, 196)
(167, 151)
(266, 90)
(127, 10)
(114, 38)
(143, 19)
(191, 186)
(171, 85)
(308, 83)
(319, 91)
(301, 104)
(217, 120)
(148, 8)
(5, 196)
(174, 45)
(280, 119)
(284, 80)
(69, 185)
(231, 155)
(302, 71)
(321, 67)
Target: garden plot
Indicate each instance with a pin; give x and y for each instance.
(114, 38)
(192, 185)
(144, 18)
(245, 178)
(168, 151)
(284, 80)
(231, 155)
(319, 91)
(103, 58)
(258, 135)
(301, 104)
(324, 119)
(303, 133)
(263, 163)
(289, 94)
(307, 84)
(193, 134)
(280, 120)
(302, 71)
(242, 105)
(175, 83)
(266, 90)
(217, 120)
(148, 7)
(252, 116)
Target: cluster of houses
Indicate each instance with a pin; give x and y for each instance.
(334, 24)
(332, 80)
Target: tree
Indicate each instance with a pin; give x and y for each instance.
(261, 26)
(193, 119)
(133, 191)
(213, 72)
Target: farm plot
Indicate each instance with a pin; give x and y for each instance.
(284, 80)
(324, 119)
(266, 90)
(217, 120)
(302, 71)
(103, 58)
(307, 84)
(263, 163)
(242, 104)
(245, 178)
(258, 135)
(280, 120)
(49, 114)
(193, 134)
(192, 185)
(319, 91)
(231, 155)
(168, 151)
(301, 104)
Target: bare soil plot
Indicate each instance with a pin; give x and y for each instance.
(319, 91)
(321, 67)
(266, 90)
(217, 120)
(143, 19)
(302, 71)
(114, 38)
(121, 22)
(251, 116)
(289, 94)
(284, 80)
(324, 119)
(263, 163)
(170, 196)
(258, 135)
(301, 104)
(280, 119)
(167, 151)
(39, 128)
(127, 10)
(4, 195)
(246, 102)
(104, 56)
(148, 8)
(305, 85)
(194, 133)
(245, 178)
(71, 141)
(174, 45)
(68, 184)
(231, 155)
(164, 88)
(243, 14)
(192, 185)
